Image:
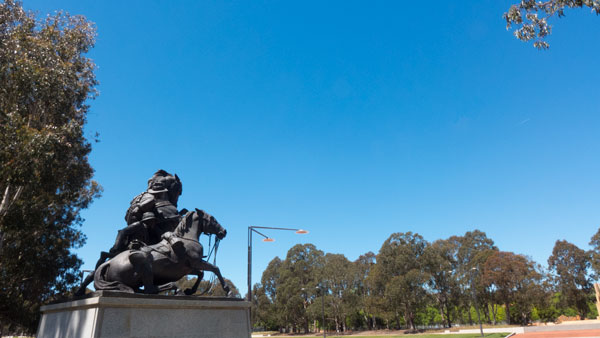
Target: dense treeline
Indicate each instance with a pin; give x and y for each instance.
(412, 283)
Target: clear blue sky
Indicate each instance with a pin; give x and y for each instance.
(352, 119)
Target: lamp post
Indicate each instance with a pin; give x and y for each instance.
(252, 229)
(475, 301)
(322, 308)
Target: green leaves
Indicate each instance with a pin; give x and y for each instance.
(45, 177)
(531, 18)
(570, 265)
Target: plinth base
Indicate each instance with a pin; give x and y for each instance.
(107, 314)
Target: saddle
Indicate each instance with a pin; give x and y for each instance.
(162, 248)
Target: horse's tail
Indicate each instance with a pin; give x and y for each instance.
(101, 283)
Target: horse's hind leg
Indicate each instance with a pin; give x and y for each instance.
(206, 266)
(88, 279)
(103, 257)
(142, 263)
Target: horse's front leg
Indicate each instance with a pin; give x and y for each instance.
(190, 291)
(206, 266)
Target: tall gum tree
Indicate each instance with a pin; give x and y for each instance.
(514, 279)
(45, 176)
(570, 266)
(400, 277)
(298, 277)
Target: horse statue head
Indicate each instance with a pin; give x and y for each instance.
(196, 222)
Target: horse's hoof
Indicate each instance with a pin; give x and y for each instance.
(188, 292)
(80, 292)
(151, 290)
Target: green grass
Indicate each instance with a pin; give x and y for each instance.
(461, 335)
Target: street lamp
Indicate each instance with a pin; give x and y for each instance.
(475, 301)
(322, 308)
(252, 229)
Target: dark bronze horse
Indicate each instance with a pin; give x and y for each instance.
(157, 267)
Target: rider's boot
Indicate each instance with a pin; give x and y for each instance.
(178, 247)
(175, 242)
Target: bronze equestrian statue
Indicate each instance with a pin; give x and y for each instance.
(157, 267)
(151, 220)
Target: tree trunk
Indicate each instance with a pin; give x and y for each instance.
(5, 204)
(448, 317)
(470, 317)
(442, 314)
(411, 321)
(8, 200)
(507, 306)
(486, 311)
(494, 312)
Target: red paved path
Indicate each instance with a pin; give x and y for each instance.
(559, 334)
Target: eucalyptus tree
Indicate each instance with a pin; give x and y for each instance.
(473, 249)
(595, 253)
(297, 282)
(531, 17)
(570, 266)
(338, 277)
(400, 277)
(266, 309)
(516, 280)
(45, 177)
(441, 264)
(362, 268)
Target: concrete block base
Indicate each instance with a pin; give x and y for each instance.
(107, 314)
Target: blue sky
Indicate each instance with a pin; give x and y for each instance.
(350, 119)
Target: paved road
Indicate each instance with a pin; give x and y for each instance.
(560, 334)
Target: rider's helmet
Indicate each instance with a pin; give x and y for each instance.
(163, 182)
(156, 183)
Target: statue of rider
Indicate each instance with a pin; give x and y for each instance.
(152, 215)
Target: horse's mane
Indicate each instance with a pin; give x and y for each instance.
(185, 224)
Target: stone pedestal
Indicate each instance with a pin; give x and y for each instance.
(119, 315)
